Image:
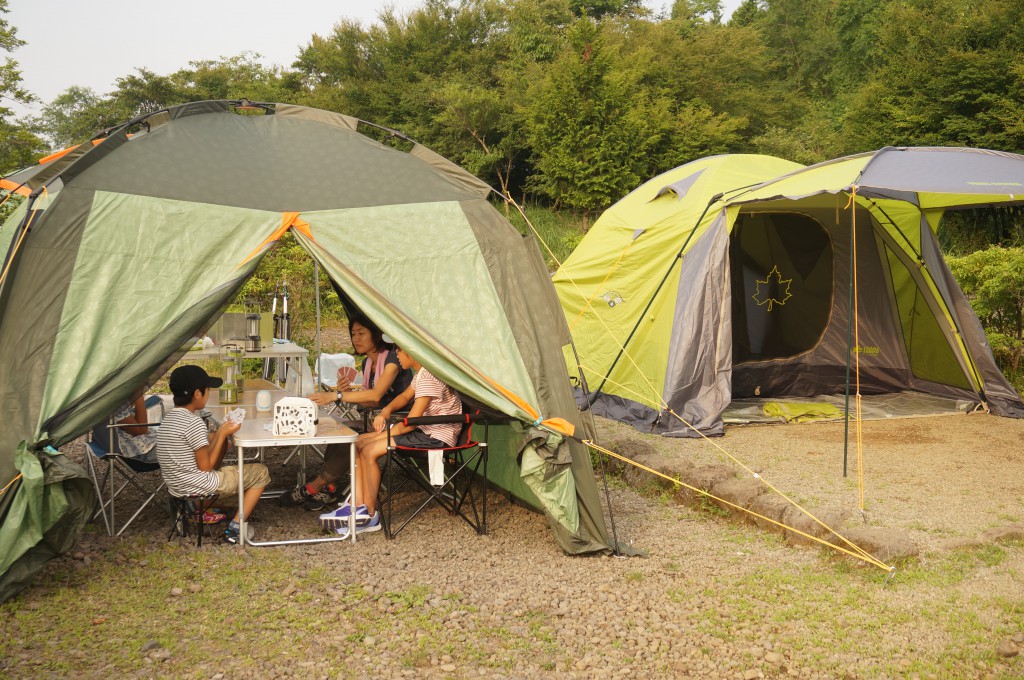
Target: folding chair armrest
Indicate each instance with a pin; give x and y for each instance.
(116, 426)
(439, 420)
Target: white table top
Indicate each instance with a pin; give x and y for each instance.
(254, 432)
(278, 350)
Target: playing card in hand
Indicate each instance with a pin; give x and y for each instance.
(346, 374)
(235, 415)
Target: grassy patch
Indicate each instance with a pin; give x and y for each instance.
(560, 233)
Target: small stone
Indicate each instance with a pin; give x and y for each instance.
(1007, 649)
(1018, 638)
(369, 641)
(773, 658)
(194, 587)
(448, 668)
(175, 592)
(752, 674)
(152, 644)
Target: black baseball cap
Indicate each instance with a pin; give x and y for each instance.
(185, 380)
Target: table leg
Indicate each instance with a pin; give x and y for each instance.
(241, 498)
(352, 486)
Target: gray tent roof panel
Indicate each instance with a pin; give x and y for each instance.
(682, 186)
(944, 170)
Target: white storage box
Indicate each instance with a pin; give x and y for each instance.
(294, 417)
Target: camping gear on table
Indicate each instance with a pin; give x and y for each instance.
(253, 342)
(231, 365)
(159, 230)
(733, 276)
(294, 417)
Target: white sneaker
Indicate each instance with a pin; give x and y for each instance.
(364, 527)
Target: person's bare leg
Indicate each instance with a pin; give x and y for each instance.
(371, 476)
(251, 498)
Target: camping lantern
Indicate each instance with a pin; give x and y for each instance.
(252, 335)
(231, 364)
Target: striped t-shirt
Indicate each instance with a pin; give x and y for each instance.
(445, 402)
(181, 434)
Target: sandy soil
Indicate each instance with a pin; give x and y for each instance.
(937, 477)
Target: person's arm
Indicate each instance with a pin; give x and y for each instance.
(208, 457)
(374, 394)
(396, 405)
(419, 407)
(140, 416)
(359, 397)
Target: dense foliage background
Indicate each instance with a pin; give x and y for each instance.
(567, 105)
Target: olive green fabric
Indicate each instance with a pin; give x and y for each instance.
(131, 277)
(291, 163)
(151, 235)
(49, 507)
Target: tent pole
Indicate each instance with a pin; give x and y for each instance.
(600, 454)
(316, 276)
(677, 258)
(849, 353)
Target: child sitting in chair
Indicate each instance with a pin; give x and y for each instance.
(432, 398)
(189, 456)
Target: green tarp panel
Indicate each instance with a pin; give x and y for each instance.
(152, 233)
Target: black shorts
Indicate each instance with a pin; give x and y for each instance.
(418, 439)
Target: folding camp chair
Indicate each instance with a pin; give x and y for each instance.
(187, 516)
(104, 447)
(462, 463)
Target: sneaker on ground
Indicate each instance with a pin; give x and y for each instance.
(231, 535)
(320, 500)
(338, 519)
(296, 496)
(364, 527)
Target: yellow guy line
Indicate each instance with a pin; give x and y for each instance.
(852, 205)
(4, 490)
(768, 484)
(860, 554)
(17, 245)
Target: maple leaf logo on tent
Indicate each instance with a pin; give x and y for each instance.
(774, 290)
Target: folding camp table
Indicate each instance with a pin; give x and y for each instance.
(255, 434)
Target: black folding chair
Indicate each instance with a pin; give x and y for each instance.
(462, 463)
(105, 449)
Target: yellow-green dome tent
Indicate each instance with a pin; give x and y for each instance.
(698, 288)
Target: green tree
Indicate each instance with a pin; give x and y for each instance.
(993, 279)
(78, 113)
(20, 145)
(595, 131)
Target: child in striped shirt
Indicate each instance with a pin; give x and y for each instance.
(431, 398)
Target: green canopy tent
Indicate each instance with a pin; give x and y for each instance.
(757, 292)
(159, 224)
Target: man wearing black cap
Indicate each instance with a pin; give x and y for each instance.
(189, 457)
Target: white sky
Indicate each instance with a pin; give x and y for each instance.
(93, 42)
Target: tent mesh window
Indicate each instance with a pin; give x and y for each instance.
(781, 267)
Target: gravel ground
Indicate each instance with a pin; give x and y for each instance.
(714, 598)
